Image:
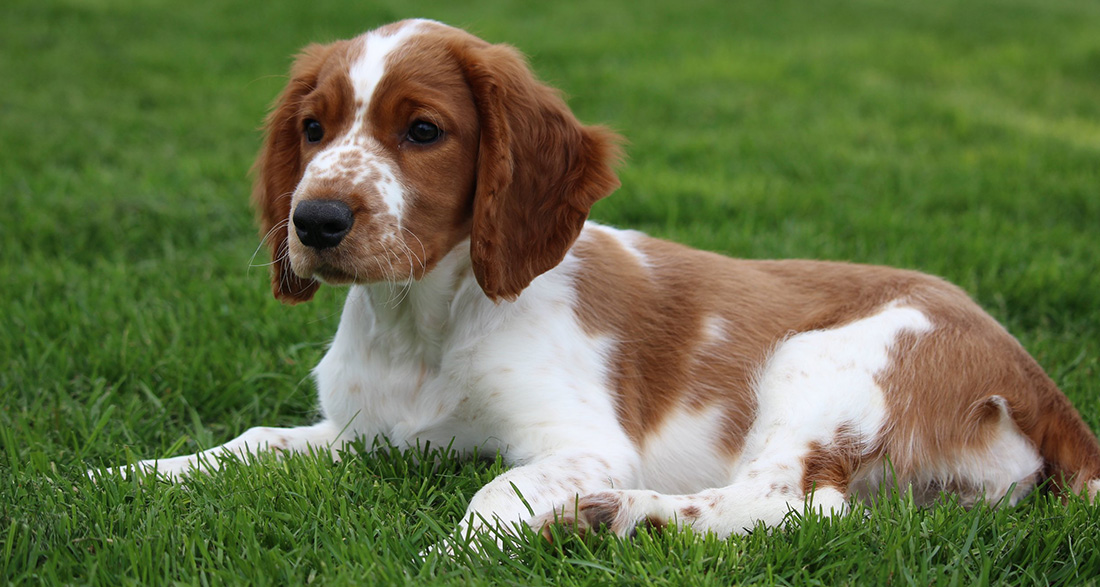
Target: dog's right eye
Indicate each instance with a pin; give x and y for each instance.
(423, 132)
(314, 131)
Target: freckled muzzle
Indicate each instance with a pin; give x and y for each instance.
(322, 224)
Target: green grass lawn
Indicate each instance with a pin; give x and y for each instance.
(958, 138)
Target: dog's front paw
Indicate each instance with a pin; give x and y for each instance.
(122, 472)
(619, 512)
(174, 470)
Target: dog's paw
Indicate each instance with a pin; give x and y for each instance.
(172, 470)
(619, 512)
(122, 472)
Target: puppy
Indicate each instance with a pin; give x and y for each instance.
(625, 379)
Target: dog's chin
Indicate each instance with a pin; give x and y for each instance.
(336, 275)
(333, 276)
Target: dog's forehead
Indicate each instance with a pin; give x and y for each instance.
(375, 49)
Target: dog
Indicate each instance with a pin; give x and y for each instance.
(626, 380)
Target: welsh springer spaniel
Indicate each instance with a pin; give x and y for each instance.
(626, 379)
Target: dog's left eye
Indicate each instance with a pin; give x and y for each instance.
(314, 131)
(423, 132)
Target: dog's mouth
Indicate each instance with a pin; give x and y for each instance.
(321, 265)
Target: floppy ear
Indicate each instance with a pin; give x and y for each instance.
(277, 171)
(539, 171)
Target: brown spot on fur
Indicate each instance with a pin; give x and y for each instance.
(690, 512)
(600, 509)
(781, 489)
(833, 464)
(654, 524)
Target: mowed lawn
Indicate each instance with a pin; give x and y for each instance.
(958, 138)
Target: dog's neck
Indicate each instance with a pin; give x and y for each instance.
(415, 316)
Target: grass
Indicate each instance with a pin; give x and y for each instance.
(962, 139)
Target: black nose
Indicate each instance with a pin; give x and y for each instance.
(322, 224)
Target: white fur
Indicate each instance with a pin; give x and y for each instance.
(369, 69)
(685, 454)
(522, 379)
(818, 381)
(365, 74)
(715, 330)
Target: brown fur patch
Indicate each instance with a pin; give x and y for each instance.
(599, 510)
(690, 512)
(833, 464)
(657, 314)
(653, 524)
(935, 388)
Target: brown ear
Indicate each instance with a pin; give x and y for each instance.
(277, 171)
(539, 172)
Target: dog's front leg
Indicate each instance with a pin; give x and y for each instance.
(324, 436)
(520, 494)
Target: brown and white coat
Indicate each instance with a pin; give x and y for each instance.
(626, 379)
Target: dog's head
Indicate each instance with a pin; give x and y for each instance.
(385, 152)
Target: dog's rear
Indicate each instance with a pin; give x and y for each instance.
(974, 388)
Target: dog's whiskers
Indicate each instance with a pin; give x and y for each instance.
(281, 225)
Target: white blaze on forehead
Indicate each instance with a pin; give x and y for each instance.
(369, 68)
(365, 74)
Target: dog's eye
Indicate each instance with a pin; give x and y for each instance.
(314, 131)
(423, 132)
